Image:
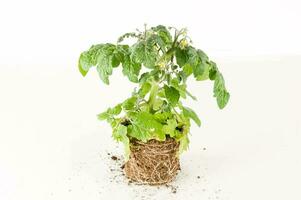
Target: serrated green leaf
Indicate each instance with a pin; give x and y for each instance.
(82, 64)
(139, 133)
(144, 53)
(187, 70)
(110, 112)
(170, 127)
(220, 91)
(100, 56)
(205, 74)
(147, 121)
(172, 95)
(163, 117)
(157, 103)
(120, 132)
(203, 57)
(145, 88)
(130, 103)
(116, 110)
(127, 35)
(213, 71)
(198, 69)
(156, 40)
(120, 135)
(164, 34)
(181, 57)
(188, 112)
(103, 116)
(131, 69)
(103, 75)
(184, 143)
(87, 59)
(181, 88)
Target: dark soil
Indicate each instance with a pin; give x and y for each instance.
(114, 158)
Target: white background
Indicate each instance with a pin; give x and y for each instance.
(53, 147)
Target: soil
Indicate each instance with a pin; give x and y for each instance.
(153, 162)
(114, 158)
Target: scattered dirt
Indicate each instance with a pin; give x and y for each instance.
(114, 158)
(143, 191)
(204, 148)
(173, 189)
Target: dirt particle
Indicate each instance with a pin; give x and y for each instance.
(173, 189)
(204, 148)
(198, 177)
(114, 158)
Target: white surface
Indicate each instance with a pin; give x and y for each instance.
(53, 147)
(41, 31)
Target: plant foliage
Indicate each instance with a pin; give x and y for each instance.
(155, 110)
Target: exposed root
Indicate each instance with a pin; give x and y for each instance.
(153, 162)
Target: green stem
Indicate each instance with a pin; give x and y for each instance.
(153, 94)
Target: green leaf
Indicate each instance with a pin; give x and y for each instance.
(181, 56)
(181, 88)
(220, 91)
(87, 59)
(163, 117)
(157, 103)
(184, 143)
(130, 103)
(144, 53)
(188, 112)
(120, 132)
(170, 127)
(103, 75)
(164, 34)
(147, 121)
(193, 57)
(103, 116)
(145, 126)
(198, 70)
(127, 35)
(139, 133)
(213, 70)
(145, 88)
(205, 74)
(83, 64)
(120, 135)
(110, 112)
(115, 110)
(195, 62)
(172, 95)
(131, 69)
(187, 70)
(203, 57)
(156, 40)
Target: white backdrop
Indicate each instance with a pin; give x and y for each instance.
(53, 147)
(54, 32)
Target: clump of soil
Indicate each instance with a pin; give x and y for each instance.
(114, 157)
(153, 162)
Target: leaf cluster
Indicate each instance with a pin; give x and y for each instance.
(154, 110)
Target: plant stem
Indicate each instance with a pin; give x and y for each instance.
(153, 94)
